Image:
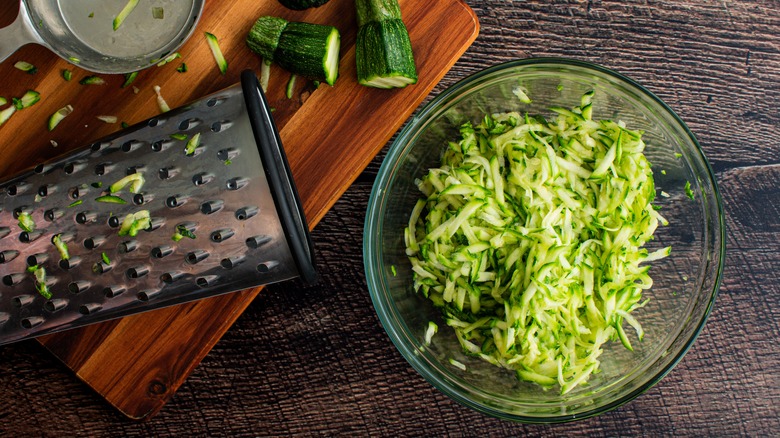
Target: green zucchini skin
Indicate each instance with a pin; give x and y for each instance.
(264, 36)
(376, 10)
(305, 49)
(384, 56)
(299, 5)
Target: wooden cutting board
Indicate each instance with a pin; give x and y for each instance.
(330, 134)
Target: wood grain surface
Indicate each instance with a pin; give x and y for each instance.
(315, 360)
(138, 363)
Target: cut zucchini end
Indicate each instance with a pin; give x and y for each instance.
(331, 61)
(386, 82)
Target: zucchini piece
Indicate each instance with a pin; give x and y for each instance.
(265, 74)
(3, 101)
(291, 86)
(158, 13)
(310, 50)
(181, 232)
(110, 199)
(108, 119)
(30, 98)
(129, 78)
(67, 74)
(305, 49)
(58, 116)
(6, 114)
(92, 80)
(169, 58)
(213, 43)
(182, 68)
(134, 182)
(120, 18)
(299, 5)
(383, 50)
(26, 67)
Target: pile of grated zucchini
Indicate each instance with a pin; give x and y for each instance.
(530, 240)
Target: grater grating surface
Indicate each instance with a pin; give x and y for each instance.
(229, 200)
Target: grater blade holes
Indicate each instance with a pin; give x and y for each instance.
(148, 295)
(222, 235)
(103, 168)
(211, 207)
(162, 251)
(176, 201)
(70, 263)
(167, 172)
(37, 259)
(8, 255)
(237, 183)
(31, 322)
(137, 272)
(78, 287)
(20, 301)
(202, 178)
(161, 145)
(86, 217)
(13, 279)
(189, 124)
(170, 277)
(131, 145)
(89, 309)
(207, 281)
(55, 305)
(29, 237)
(255, 242)
(196, 256)
(232, 262)
(245, 213)
(53, 214)
(113, 291)
(267, 267)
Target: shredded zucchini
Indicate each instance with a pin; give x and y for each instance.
(530, 238)
(26, 222)
(213, 44)
(62, 246)
(120, 18)
(192, 145)
(135, 222)
(160, 100)
(39, 272)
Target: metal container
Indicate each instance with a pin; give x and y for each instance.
(82, 33)
(223, 215)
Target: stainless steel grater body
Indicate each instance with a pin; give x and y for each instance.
(224, 216)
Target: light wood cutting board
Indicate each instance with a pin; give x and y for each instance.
(330, 134)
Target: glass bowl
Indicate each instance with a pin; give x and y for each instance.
(685, 283)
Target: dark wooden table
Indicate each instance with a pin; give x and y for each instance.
(315, 360)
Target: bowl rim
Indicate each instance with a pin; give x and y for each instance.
(371, 231)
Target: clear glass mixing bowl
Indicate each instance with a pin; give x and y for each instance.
(685, 283)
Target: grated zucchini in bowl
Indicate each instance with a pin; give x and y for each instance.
(530, 239)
